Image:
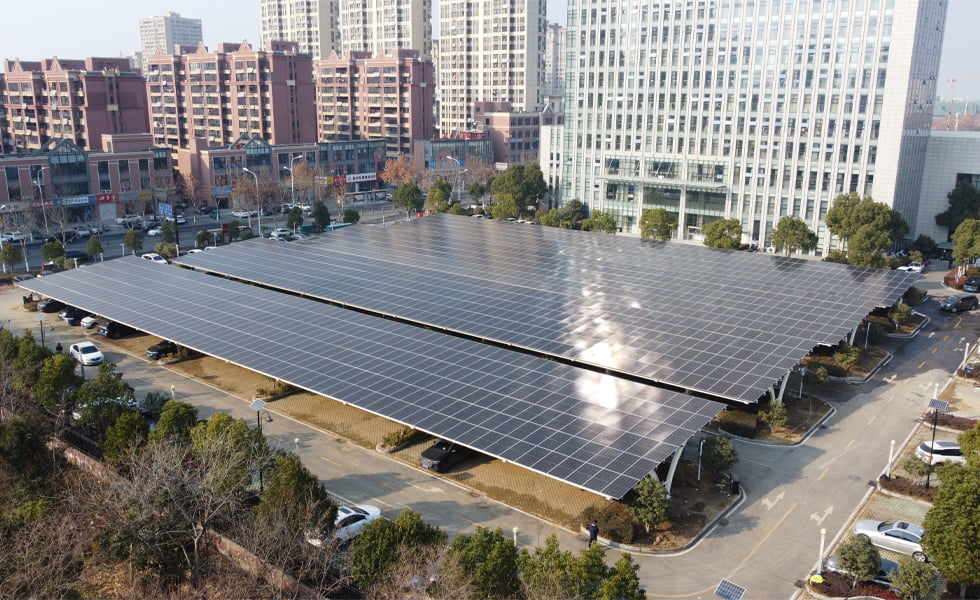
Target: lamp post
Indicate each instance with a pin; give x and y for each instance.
(292, 180)
(258, 201)
(40, 322)
(459, 172)
(40, 192)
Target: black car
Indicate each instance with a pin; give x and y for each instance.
(72, 315)
(50, 305)
(113, 330)
(444, 454)
(164, 348)
(958, 303)
(972, 285)
(76, 255)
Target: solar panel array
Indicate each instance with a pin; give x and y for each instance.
(595, 431)
(721, 322)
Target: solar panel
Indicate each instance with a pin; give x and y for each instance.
(524, 409)
(729, 591)
(725, 323)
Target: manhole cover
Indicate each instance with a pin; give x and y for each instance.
(723, 522)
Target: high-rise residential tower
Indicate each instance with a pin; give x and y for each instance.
(381, 26)
(750, 110)
(554, 60)
(310, 23)
(167, 31)
(490, 51)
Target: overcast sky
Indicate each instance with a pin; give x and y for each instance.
(79, 28)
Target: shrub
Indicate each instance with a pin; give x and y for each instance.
(776, 417)
(915, 467)
(900, 313)
(847, 355)
(718, 454)
(907, 487)
(951, 421)
(152, 404)
(393, 439)
(615, 522)
(914, 297)
(736, 421)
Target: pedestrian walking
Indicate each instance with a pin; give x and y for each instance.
(58, 348)
(593, 533)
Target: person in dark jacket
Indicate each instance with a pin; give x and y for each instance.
(593, 533)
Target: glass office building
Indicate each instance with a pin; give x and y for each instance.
(748, 109)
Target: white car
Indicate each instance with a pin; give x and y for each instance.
(897, 536)
(915, 267)
(195, 251)
(86, 353)
(348, 525)
(280, 234)
(89, 321)
(179, 219)
(940, 451)
(242, 214)
(154, 257)
(154, 232)
(12, 236)
(129, 220)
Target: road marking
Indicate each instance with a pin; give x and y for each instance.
(336, 464)
(934, 350)
(945, 337)
(745, 559)
(931, 333)
(922, 364)
(825, 471)
(770, 503)
(890, 379)
(872, 419)
(820, 518)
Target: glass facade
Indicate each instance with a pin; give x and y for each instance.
(747, 109)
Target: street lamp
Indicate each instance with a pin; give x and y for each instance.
(459, 173)
(258, 201)
(40, 192)
(292, 182)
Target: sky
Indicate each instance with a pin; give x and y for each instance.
(79, 29)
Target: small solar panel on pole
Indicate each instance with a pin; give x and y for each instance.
(729, 591)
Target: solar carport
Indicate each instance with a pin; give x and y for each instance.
(584, 357)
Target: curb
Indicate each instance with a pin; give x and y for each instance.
(682, 549)
(915, 332)
(860, 380)
(798, 442)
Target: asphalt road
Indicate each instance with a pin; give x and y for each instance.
(767, 544)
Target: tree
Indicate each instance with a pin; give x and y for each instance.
(491, 559)
(93, 247)
(658, 224)
(524, 184)
(11, 255)
(476, 190)
(321, 216)
(866, 228)
(128, 432)
(407, 197)
(376, 549)
(964, 203)
(27, 363)
(623, 582)
(133, 240)
(571, 214)
(966, 241)
(847, 355)
(859, 558)
(900, 313)
(167, 250)
(289, 486)
(724, 233)
(926, 245)
(54, 389)
(234, 229)
(792, 233)
(175, 423)
(970, 446)
(202, 238)
(294, 219)
(437, 201)
(649, 503)
(101, 400)
(718, 454)
(23, 450)
(351, 215)
(52, 251)
(952, 525)
(398, 172)
(506, 207)
(601, 222)
(547, 572)
(168, 232)
(914, 580)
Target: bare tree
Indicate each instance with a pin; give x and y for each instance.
(423, 573)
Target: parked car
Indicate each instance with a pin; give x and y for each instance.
(885, 572)
(129, 220)
(12, 236)
(243, 214)
(161, 349)
(86, 353)
(22, 277)
(195, 251)
(154, 257)
(940, 451)
(50, 305)
(280, 234)
(113, 330)
(72, 315)
(958, 302)
(76, 255)
(972, 285)
(898, 536)
(154, 231)
(442, 455)
(348, 524)
(89, 321)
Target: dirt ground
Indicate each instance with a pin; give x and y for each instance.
(693, 505)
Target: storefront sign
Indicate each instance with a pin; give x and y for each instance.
(106, 198)
(361, 177)
(76, 201)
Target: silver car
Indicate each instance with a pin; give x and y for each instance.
(897, 536)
